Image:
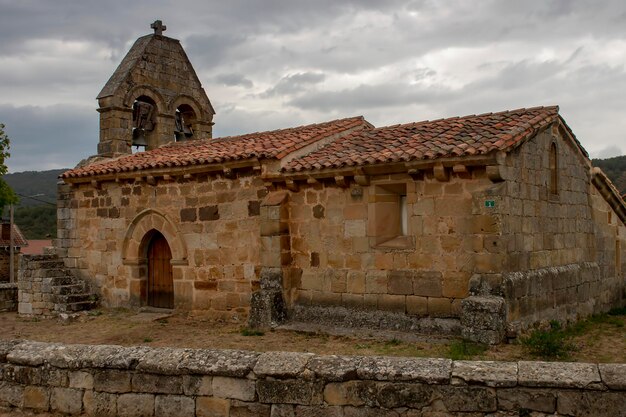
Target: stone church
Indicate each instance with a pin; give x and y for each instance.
(479, 225)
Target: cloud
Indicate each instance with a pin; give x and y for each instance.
(608, 152)
(49, 137)
(233, 80)
(294, 83)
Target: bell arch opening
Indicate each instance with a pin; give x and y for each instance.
(185, 120)
(143, 123)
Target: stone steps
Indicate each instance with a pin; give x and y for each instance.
(62, 291)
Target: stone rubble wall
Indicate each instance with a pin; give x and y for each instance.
(138, 381)
(8, 296)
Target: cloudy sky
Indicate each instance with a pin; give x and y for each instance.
(270, 64)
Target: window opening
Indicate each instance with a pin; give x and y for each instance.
(553, 170)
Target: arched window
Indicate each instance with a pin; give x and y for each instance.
(554, 170)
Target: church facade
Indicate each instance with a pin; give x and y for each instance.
(481, 225)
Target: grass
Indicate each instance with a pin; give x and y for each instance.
(463, 349)
(555, 343)
(251, 332)
(552, 343)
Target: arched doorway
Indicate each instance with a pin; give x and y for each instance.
(160, 280)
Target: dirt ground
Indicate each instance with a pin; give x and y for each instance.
(602, 342)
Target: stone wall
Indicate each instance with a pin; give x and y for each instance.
(8, 297)
(133, 381)
(211, 224)
(561, 247)
(335, 241)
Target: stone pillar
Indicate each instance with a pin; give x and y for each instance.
(267, 306)
(483, 319)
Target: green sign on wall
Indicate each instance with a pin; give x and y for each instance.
(490, 203)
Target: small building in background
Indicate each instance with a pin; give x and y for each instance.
(19, 242)
(36, 246)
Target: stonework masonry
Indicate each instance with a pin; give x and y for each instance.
(141, 381)
(480, 226)
(210, 221)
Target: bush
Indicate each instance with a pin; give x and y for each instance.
(552, 343)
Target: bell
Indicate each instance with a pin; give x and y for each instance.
(139, 138)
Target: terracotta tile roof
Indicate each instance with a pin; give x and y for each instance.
(274, 144)
(454, 137)
(18, 238)
(36, 247)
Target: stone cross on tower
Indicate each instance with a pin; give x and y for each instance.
(158, 27)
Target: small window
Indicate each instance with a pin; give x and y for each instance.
(388, 214)
(554, 174)
(618, 257)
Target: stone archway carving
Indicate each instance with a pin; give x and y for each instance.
(143, 223)
(145, 90)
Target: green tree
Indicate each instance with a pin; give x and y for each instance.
(7, 195)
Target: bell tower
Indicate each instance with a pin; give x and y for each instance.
(154, 97)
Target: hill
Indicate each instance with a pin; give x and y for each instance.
(615, 169)
(35, 188)
(36, 212)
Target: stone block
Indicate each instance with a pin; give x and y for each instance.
(212, 407)
(197, 385)
(241, 409)
(396, 395)
(235, 388)
(135, 405)
(150, 383)
(591, 403)
(356, 393)
(428, 284)
(174, 405)
(112, 381)
(489, 373)
(468, 398)
(11, 394)
(613, 375)
(66, 400)
(318, 411)
(209, 213)
(395, 303)
(514, 399)
(483, 319)
(355, 282)
(426, 370)
(439, 307)
(188, 215)
(559, 375)
(281, 364)
(80, 379)
(290, 391)
(100, 404)
(371, 412)
(282, 410)
(400, 282)
(376, 282)
(37, 398)
(417, 306)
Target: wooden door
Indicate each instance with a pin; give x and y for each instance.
(160, 282)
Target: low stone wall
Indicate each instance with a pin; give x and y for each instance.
(564, 293)
(8, 297)
(137, 381)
